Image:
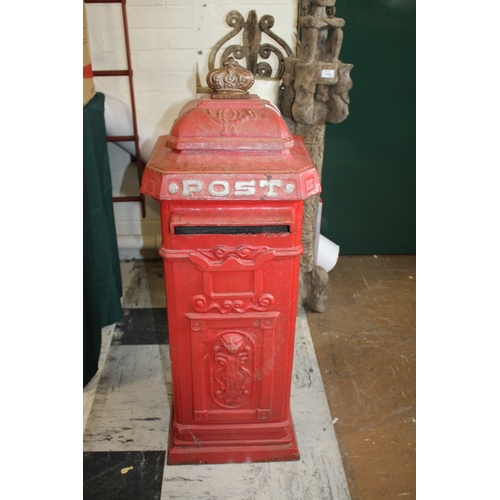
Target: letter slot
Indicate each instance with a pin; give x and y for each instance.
(231, 229)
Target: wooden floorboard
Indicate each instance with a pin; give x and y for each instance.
(365, 345)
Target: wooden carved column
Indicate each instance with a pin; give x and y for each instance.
(315, 92)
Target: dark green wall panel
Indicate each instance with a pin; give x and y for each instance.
(369, 162)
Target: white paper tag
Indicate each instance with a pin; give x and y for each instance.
(327, 73)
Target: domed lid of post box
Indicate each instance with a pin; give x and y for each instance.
(230, 145)
(241, 121)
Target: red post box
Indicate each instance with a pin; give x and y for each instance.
(231, 181)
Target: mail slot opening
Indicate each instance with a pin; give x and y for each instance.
(231, 229)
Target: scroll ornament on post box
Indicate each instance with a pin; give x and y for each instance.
(231, 181)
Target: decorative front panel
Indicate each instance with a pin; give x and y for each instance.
(232, 279)
(232, 370)
(231, 354)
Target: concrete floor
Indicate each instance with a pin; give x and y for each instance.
(365, 344)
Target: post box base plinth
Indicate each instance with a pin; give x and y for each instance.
(221, 452)
(231, 454)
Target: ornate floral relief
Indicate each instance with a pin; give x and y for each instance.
(230, 118)
(202, 303)
(232, 369)
(221, 253)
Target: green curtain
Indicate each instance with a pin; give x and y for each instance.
(102, 286)
(369, 168)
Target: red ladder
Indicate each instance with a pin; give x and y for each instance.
(125, 138)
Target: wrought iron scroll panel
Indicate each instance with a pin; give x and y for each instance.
(252, 49)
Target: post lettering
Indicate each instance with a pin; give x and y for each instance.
(218, 192)
(220, 188)
(271, 193)
(191, 186)
(244, 188)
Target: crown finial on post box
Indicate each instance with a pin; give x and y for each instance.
(230, 82)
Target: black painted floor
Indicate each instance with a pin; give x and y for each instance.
(142, 327)
(129, 475)
(123, 475)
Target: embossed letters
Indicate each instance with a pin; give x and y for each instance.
(221, 188)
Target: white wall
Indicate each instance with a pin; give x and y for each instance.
(168, 39)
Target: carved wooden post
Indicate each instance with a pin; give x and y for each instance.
(315, 91)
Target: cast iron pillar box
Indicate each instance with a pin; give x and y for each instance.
(231, 181)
